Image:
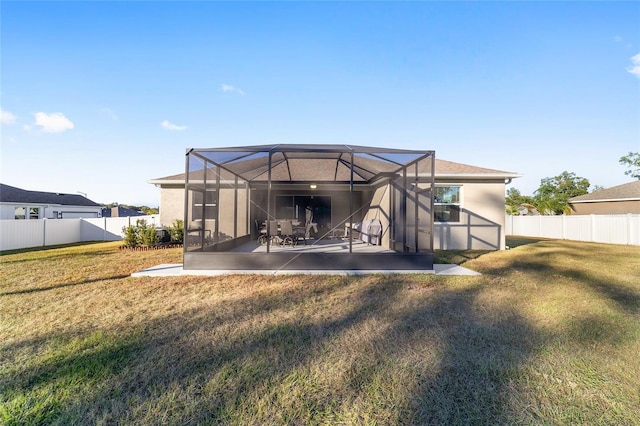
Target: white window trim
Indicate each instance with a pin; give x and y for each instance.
(459, 204)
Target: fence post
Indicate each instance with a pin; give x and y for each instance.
(44, 232)
(539, 225)
(593, 227)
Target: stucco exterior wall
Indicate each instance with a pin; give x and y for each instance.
(228, 212)
(171, 204)
(380, 208)
(481, 223)
(607, 207)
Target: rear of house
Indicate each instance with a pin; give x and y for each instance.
(468, 205)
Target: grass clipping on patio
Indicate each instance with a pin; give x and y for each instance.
(550, 333)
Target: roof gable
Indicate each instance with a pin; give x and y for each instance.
(11, 194)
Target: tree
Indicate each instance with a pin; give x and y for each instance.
(552, 197)
(632, 161)
(514, 201)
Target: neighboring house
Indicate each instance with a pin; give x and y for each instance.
(120, 211)
(16, 203)
(615, 200)
(468, 211)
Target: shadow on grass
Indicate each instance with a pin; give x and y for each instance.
(47, 248)
(457, 257)
(513, 241)
(63, 285)
(61, 255)
(270, 359)
(241, 362)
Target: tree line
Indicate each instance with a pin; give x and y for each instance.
(552, 197)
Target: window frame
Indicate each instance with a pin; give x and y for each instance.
(457, 206)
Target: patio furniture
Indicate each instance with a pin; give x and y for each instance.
(262, 230)
(371, 232)
(286, 234)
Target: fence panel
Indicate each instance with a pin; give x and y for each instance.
(579, 229)
(610, 229)
(61, 231)
(18, 234)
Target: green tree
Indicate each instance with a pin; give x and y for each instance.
(552, 197)
(632, 161)
(514, 201)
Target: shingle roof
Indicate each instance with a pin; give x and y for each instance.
(11, 194)
(627, 191)
(443, 168)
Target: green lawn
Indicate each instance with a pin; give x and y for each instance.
(549, 334)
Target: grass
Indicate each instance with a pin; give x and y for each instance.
(549, 334)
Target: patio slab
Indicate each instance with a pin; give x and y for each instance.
(175, 269)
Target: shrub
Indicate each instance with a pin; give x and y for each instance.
(176, 231)
(140, 235)
(130, 236)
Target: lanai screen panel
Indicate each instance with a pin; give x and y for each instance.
(220, 181)
(216, 205)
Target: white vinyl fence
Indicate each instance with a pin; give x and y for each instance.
(609, 228)
(17, 234)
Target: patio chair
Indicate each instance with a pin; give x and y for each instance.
(274, 233)
(286, 234)
(262, 231)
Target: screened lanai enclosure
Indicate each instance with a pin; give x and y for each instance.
(309, 207)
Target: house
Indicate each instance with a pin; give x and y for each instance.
(119, 211)
(421, 203)
(619, 199)
(16, 203)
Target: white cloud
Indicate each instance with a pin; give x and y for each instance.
(230, 88)
(170, 126)
(635, 67)
(53, 123)
(6, 117)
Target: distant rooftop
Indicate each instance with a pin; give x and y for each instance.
(11, 194)
(625, 192)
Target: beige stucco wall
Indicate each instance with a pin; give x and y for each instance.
(607, 207)
(481, 226)
(380, 208)
(171, 204)
(481, 223)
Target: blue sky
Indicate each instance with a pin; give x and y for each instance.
(99, 97)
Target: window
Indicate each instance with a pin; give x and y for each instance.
(34, 212)
(20, 213)
(446, 200)
(210, 208)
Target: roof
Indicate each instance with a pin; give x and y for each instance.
(307, 163)
(443, 168)
(446, 168)
(11, 194)
(625, 192)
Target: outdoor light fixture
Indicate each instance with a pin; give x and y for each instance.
(313, 186)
